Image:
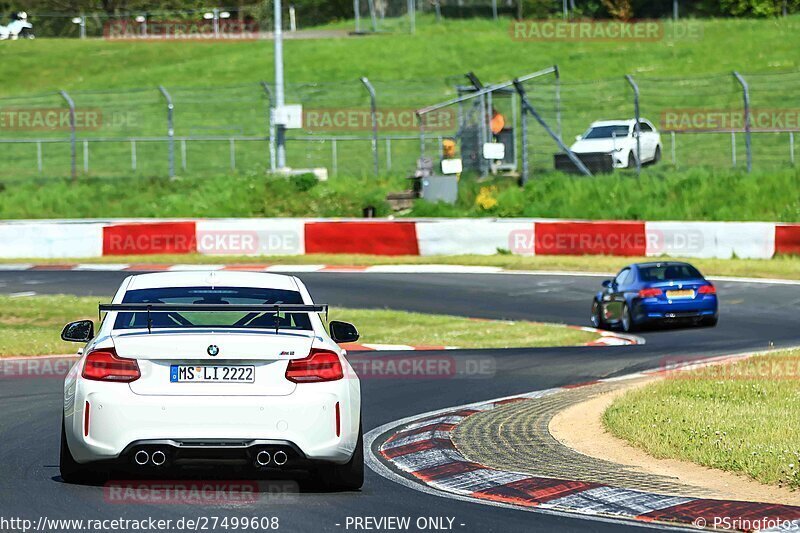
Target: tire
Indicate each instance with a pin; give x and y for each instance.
(657, 156)
(597, 316)
(628, 325)
(349, 476)
(631, 160)
(71, 470)
(709, 322)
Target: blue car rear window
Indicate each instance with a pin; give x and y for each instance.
(669, 272)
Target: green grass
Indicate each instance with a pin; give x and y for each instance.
(737, 418)
(31, 326)
(423, 69)
(780, 267)
(663, 195)
(452, 47)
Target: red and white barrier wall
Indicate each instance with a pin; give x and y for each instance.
(93, 238)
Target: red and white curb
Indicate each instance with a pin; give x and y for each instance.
(422, 448)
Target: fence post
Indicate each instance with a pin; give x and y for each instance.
(233, 153)
(637, 127)
(334, 157)
(412, 15)
(373, 110)
(170, 130)
(747, 139)
(733, 148)
(494, 9)
(526, 105)
(421, 135)
(388, 153)
(558, 101)
(133, 154)
(357, 13)
(524, 123)
(437, 5)
(673, 149)
(372, 16)
(267, 90)
(72, 134)
(85, 156)
(791, 147)
(39, 161)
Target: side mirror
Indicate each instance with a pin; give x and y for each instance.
(578, 137)
(343, 331)
(80, 331)
(607, 283)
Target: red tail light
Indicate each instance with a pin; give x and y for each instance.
(650, 293)
(104, 365)
(707, 289)
(320, 365)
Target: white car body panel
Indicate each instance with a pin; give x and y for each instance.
(271, 408)
(622, 146)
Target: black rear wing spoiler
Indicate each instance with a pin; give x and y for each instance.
(252, 308)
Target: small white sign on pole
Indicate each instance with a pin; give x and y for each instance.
(289, 116)
(494, 151)
(451, 166)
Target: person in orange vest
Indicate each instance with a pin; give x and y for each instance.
(497, 123)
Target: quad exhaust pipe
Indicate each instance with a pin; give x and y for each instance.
(143, 458)
(265, 458)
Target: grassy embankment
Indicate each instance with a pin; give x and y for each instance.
(31, 326)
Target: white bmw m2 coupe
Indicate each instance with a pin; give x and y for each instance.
(222, 367)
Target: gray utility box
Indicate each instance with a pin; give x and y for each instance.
(440, 189)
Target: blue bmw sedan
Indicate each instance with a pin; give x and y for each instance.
(647, 293)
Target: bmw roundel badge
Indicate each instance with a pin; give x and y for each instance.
(213, 350)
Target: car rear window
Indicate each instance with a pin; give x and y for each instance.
(606, 132)
(205, 319)
(669, 272)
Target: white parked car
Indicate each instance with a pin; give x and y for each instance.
(617, 137)
(234, 367)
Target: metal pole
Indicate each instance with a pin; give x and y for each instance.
(530, 109)
(733, 148)
(233, 153)
(72, 134)
(279, 97)
(373, 109)
(372, 16)
(421, 135)
(565, 9)
(83, 26)
(482, 135)
(215, 12)
(675, 9)
(183, 154)
(357, 13)
(170, 130)
(412, 16)
(388, 153)
(674, 158)
(437, 5)
(637, 127)
(86, 156)
(40, 163)
(334, 158)
(292, 19)
(494, 9)
(747, 139)
(267, 90)
(525, 168)
(791, 147)
(133, 154)
(558, 101)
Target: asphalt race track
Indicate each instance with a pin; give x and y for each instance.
(753, 315)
